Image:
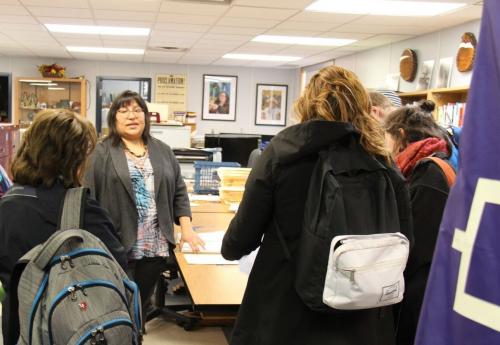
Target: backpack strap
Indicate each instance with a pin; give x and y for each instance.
(72, 212)
(53, 244)
(446, 168)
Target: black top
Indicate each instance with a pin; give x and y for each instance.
(26, 221)
(271, 311)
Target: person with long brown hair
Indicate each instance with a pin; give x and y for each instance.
(333, 110)
(412, 136)
(50, 160)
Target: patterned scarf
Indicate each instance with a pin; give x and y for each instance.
(409, 157)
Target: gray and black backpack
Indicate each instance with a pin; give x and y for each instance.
(72, 291)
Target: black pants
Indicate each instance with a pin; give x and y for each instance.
(145, 272)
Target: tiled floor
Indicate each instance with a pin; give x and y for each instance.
(160, 332)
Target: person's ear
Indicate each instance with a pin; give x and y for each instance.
(402, 132)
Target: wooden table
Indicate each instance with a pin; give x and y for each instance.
(213, 289)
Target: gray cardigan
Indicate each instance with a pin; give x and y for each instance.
(108, 178)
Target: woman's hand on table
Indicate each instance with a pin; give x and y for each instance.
(188, 235)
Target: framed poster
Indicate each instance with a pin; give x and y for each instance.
(270, 108)
(444, 72)
(219, 97)
(172, 90)
(424, 81)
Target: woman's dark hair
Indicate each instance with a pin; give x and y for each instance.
(226, 104)
(56, 146)
(417, 123)
(124, 99)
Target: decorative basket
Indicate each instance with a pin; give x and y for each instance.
(52, 71)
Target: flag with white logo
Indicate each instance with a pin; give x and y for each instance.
(462, 301)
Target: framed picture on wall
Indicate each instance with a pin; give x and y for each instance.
(270, 107)
(219, 97)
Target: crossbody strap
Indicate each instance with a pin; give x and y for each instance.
(447, 170)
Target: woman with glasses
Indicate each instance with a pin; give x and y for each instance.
(137, 179)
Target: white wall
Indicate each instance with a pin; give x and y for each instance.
(246, 93)
(373, 65)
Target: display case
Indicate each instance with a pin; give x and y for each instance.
(35, 94)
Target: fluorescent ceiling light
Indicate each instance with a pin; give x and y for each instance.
(57, 88)
(43, 84)
(100, 50)
(98, 30)
(261, 57)
(308, 41)
(35, 81)
(385, 7)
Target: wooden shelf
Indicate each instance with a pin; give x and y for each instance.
(75, 90)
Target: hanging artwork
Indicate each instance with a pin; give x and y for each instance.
(270, 108)
(408, 65)
(172, 90)
(466, 52)
(219, 97)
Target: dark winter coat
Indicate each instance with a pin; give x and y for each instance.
(428, 193)
(26, 222)
(271, 312)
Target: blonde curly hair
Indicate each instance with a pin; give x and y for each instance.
(336, 94)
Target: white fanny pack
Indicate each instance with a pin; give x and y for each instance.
(366, 271)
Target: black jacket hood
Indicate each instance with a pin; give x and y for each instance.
(304, 139)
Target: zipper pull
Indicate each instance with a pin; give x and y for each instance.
(72, 291)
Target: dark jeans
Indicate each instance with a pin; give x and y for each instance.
(145, 272)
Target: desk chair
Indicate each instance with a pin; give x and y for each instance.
(165, 280)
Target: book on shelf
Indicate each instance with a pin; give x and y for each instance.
(451, 114)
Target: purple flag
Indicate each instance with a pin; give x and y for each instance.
(462, 301)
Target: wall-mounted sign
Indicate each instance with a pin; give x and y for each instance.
(171, 89)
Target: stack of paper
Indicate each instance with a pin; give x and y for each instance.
(213, 242)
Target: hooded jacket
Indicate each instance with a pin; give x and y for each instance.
(271, 311)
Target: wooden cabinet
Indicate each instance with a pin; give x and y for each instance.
(34, 94)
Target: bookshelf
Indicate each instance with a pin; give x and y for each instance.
(441, 97)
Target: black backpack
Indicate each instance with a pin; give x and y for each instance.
(350, 193)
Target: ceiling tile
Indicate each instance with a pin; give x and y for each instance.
(230, 62)
(209, 51)
(318, 17)
(69, 21)
(175, 34)
(291, 25)
(372, 20)
(265, 64)
(126, 5)
(381, 29)
(160, 59)
(249, 23)
(215, 43)
(281, 32)
(293, 4)
(236, 30)
(125, 23)
(57, 3)
(182, 27)
(10, 2)
(303, 51)
(172, 42)
(259, 13)
(25, 27)
(55, 53)
(13, 10)
(262, 48)
(193, 8)
(227, 38)
(4, 18)
(135, 39)
(89, 56)
(347, 35)
(186, 19)
(111, 43)
(125, 15)
(125, 58)
(379, 40)
(60, 12)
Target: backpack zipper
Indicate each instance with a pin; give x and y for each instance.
(102, 327)
(352, 270)
(131, 286)
(71, 290)
(75, 254)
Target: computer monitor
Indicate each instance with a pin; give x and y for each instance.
(235, 147)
